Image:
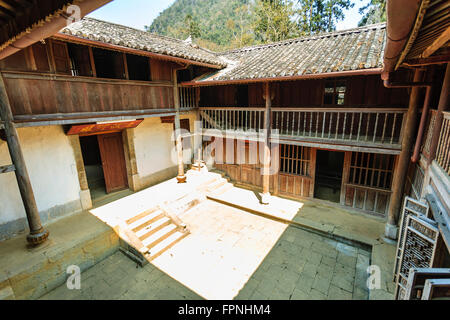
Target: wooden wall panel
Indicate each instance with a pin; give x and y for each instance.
(43, 96)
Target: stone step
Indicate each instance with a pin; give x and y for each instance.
(223, 189)
(216, 185)
(166, 244)
(153, 228)
(140, 216)
(146, 221)
(159, 236)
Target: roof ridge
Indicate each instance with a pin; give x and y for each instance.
(304, 38)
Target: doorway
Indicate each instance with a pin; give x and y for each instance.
(104, 161)
(329, 169)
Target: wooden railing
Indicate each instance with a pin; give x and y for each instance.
(378, 127)
(443, 150)
(188, 98)
(367, 126)
(237, 119)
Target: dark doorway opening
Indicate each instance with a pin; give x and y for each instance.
(93, 166)
(330, 165)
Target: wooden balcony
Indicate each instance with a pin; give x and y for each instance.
(359, 127)
(43, 97)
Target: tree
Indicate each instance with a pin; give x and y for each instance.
(192, 27)
(241, 27)
(274, 20)
(321, 15)
(373, 12)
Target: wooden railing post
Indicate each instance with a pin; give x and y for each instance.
(267, 126)
(181, 176)
(408, 137)
(38, 234)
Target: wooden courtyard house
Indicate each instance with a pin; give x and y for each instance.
(357, 118)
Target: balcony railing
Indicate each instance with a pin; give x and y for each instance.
(188, 98)
(377, 127)
(443, 150)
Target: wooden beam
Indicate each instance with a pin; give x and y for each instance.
(6, 169)
(441, 59)
(437, 44)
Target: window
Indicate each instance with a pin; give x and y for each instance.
(295, 160)
(80, 59)
(334, 94)
(109, 64)
(371, 170)
(138, 68)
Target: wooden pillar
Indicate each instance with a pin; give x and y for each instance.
(444, 102)
(37, 234)
(181, 176)
(345, 175)
(398, 183)
(267, 126)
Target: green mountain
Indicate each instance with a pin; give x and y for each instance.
(215, 24)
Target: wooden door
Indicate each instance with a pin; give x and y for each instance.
(113, 161)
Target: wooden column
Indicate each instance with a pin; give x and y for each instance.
(267, 126)
(345, 175)
(444, 102)
(181, 176)
(398, 183)
(37, 234)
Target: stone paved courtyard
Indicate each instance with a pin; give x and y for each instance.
(232, 254)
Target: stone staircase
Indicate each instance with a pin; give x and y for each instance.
(153, 232)
(156, 230)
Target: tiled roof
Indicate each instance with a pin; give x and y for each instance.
(111, 33)
(349, 50)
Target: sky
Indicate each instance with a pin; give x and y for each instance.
(139, 13)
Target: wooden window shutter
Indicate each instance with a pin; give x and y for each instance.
(61, 57)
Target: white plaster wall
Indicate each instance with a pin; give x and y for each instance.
(155, 150)
(51, 165)
(153, 146)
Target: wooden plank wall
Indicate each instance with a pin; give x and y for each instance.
(367, 91)
(42, 95)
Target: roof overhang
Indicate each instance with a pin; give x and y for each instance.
(99, 44)
(418, 33)
(365, 72)
(27, 22)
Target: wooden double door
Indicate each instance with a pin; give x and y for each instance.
(113, 161)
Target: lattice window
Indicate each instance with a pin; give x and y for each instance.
(419, 246)
(335, 91)
(295, 160)
(371, 170)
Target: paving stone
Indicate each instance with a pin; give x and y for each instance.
(313, 257)
(310, 269)
(316, 295)
(328, 261)
(325, 271)
(321, 284)
(304, 283)
(299, 295)
(346, 260)
(360, 294)
(339, 281)
(336, 293)
(347, 250)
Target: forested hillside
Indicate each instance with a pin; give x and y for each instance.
(226, 24)
(208, 20)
